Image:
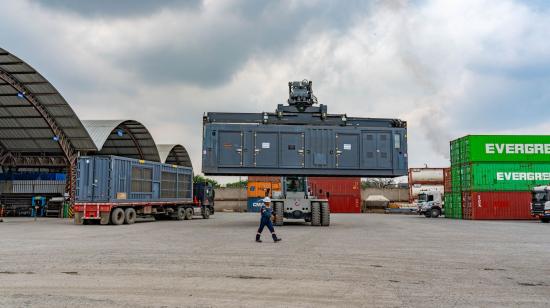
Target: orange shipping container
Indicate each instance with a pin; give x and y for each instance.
(261, 189)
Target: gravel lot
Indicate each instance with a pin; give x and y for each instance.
(360, 260)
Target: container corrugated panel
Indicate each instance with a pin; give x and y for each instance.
(453, 205)
(497, 205)
(254, 204)
(344, 193)
(504, 176)
(264, 178)
(120, 179)
(501, 148)
(38, 187)
(261, 189)
(447, 181)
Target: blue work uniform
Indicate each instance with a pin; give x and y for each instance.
(265, 219)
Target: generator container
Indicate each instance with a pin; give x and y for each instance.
(306, 150)
(112, 179)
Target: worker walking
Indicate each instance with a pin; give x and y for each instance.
(265, 220)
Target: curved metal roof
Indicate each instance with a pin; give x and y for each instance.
(126, 138)
(174, 154)
(34, 117)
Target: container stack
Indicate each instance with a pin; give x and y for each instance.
(492, 176)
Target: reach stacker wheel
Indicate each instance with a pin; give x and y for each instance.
(325, 214)
(117, 216)
(315, 214)
(278, 208)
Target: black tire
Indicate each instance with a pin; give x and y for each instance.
(180, 213)
(325, 214)
(212, 211)
(130, 216)
(188, 213)
(278, 209)
(205, 212)
(545, 220)
(315, 214)
(435, 212)
(428, 214)
(117, 216)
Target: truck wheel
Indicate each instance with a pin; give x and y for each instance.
(278, 208)
(325, 214)
(206, 213)
(130, 216)
(428, 214)
(315, 214)
(188, 213)
(180, 213)
(117, 216)
(435, 213)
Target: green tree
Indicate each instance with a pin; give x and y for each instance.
(238, 184)
(202, 179)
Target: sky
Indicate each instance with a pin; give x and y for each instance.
(448, 68)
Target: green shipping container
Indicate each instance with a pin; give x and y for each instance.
(453, 205)
(504, 176)
(500, 148)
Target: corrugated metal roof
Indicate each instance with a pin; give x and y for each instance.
(174, 154)
(127, 138)
(22, 127)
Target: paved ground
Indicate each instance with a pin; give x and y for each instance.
(361, 260)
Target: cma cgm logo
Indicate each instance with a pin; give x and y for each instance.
(511, 148)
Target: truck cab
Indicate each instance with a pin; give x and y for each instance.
(203, 198)
(540, 203)
(430, 204)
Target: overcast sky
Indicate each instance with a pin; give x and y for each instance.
(448, 68)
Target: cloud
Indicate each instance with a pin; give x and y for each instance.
(447, 67)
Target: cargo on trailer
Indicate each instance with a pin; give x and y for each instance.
(496, 205)
(116, 190)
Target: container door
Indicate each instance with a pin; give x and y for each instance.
(384, 151)
(85, 179)
(347, 151)
(292, 150)
(230, 149)
(100, 176)
(369, 150)
(265, 149)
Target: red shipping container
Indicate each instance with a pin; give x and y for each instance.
(344, 193)
(447, 180)
(496, 205)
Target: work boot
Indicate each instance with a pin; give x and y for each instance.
(258, 238)
(275, 238)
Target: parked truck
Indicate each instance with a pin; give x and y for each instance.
(430, 204)
(540, 204)
(118, 190)
(296, 202)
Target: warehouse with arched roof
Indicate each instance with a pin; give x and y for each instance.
(39, 131)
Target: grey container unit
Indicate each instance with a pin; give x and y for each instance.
(113, 179)
(363, 150)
